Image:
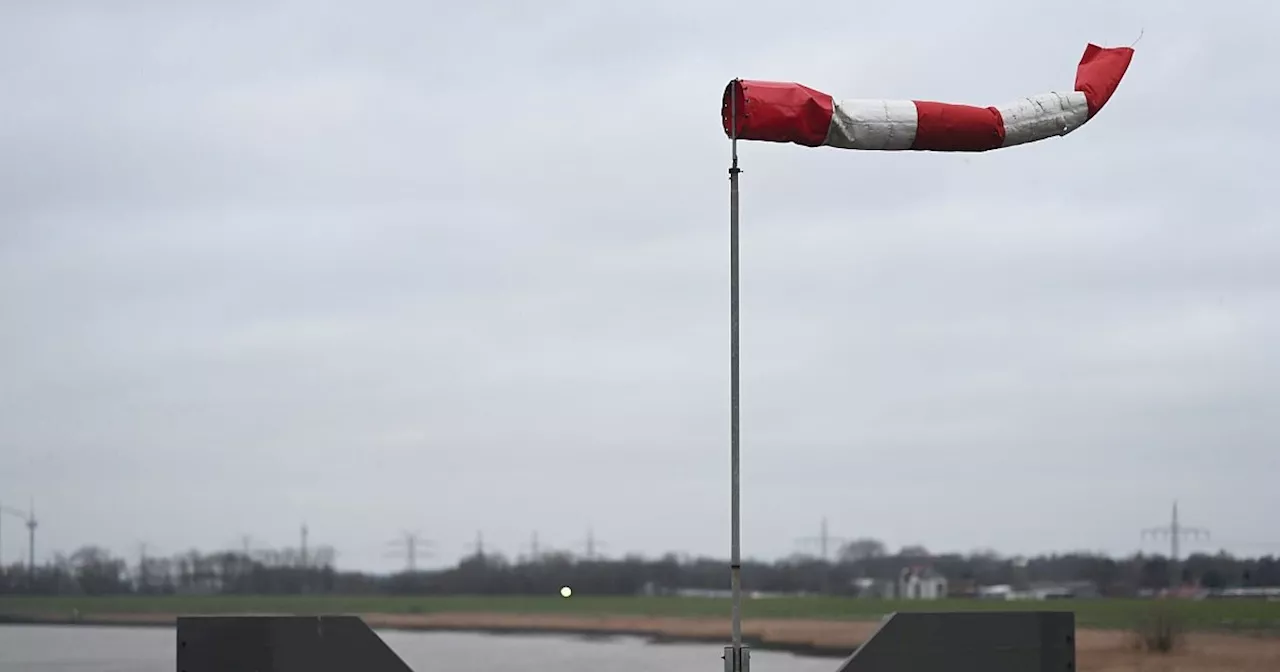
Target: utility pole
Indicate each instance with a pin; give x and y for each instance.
(1175, 531)
(591, 544)
(245, 562)
(824, 540)
(412, 541)
(304, 545)
(477, 547)
(29, 518)
(535, 551)
(408, 545)
(143, 583)
(31, 542)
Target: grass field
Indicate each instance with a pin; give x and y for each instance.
(1207, 614)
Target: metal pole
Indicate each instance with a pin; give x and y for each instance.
(1175, 576)
(735, 551)
(31, 549)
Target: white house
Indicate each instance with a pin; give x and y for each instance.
(921, 583)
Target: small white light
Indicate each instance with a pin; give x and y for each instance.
(566, 591)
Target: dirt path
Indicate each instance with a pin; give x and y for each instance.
(1097, 650)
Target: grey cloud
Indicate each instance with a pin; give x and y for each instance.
(451, 267)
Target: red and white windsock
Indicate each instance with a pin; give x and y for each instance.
(787, 112)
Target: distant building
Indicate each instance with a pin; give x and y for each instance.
(913, 583)
(1001, 591)
(718, 593)
(702, 592)
(875, 589)
(1057, 590)
(921, 583)
(1272, 593)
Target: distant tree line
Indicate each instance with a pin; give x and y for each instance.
(95, 571)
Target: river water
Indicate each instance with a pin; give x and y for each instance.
(88, 649)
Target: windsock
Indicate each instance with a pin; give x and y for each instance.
(788, 112)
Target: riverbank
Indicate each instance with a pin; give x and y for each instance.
(1198, 615)
(1097, 650)
(802, 637)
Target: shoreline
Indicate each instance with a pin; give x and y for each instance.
(1096, 650)
(809, 638)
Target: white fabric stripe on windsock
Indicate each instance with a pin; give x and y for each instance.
(872, 124)
(1043, 116)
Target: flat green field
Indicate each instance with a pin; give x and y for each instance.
(1207, 614)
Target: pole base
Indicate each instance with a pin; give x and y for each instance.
(732, 664)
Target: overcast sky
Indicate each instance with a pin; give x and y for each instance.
(448, 267)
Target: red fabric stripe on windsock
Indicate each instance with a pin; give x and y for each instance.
(943, 127)
(1100, 73)
(787, 112)
(778, 112)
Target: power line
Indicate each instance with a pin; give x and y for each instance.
(1174, 532)
(251, 551)
(29, 518)
(824, 541)
(411, 545)
(591, 544)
